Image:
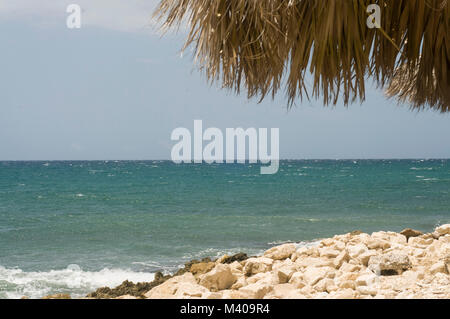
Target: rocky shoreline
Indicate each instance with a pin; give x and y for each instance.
(356, 265)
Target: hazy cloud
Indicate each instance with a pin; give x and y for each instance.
(129, 15)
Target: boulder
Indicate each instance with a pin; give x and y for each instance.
(256, 291)
(220, 278)
(201, 268)
(312, 275)
(365, 280)
(408, 233)
(298, 280)
(365, 257)
(435, 235)
(378, 243)
(347, 284)
(389, 264)
(282, 291)
(267, 277)
(186, 290)
(328, 252)
(257, 265)
(356, 250)
(240, 282)
(284, 274)
(237, 268)
(306, 262)
(326, 285)
(169, 288)
(367, 291)
(327, 242)
(349, 268)
(231, 259)
(420, 242)
(438, 267)
(446, 261)
(391, 237)
(339, 245)
(280, 252)
(443, 230)
(341, 259)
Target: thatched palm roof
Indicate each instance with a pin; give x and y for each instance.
(263, 45)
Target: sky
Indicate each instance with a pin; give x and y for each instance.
(116, 89)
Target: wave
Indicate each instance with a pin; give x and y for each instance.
(15, 283)
(310, 243)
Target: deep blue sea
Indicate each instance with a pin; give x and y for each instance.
(75, 226)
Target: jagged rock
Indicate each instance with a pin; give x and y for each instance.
(201, 268)
(446, 260)
(231, 259)
(267, 277)
(408, 233)
(366, 280)
(365, 290)
(443, 230)
(219, 278)
(365, 257)
(170, 287)
(280, 252)
(282, 291)
(420, 242)
(389, 264)
(257, 265)
(129, 288)
(438, 267)
(339, 267)
(341, 259)
(188, 290)
(240, 282)
(328, 252)
(435, 235)
(306, 262)
(313, 275)
(284, 274)
(347, 284)
(349, 268)
(356, 250)
(339, 245)
(256, 291)
(298, 280)
(390, 237)
(377, 243)
(325, 285)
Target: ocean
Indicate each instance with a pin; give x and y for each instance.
(71, 227)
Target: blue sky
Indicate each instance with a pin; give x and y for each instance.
(115, 90)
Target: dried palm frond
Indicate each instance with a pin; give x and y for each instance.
(258, 44)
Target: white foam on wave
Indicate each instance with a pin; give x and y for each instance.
(308, 244)
(15, 283)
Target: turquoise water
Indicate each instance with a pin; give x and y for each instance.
(75, 226)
